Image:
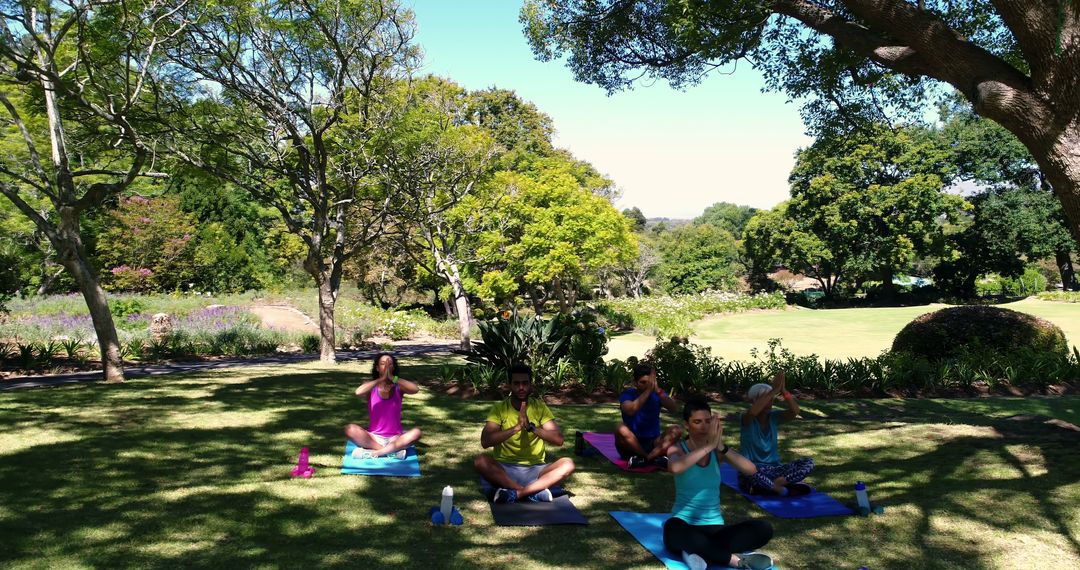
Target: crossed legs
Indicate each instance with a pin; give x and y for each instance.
(628, 444)
(551, 475)
(368, 440)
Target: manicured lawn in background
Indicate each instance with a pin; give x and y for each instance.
(193, 471)
(829, 333)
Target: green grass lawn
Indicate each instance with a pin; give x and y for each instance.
(831, 333)
(193, 471)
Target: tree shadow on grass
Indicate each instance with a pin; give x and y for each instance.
(193, 471)
(946, 484)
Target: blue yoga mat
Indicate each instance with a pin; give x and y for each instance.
(816, 504)
(393, 467)
(648, 529)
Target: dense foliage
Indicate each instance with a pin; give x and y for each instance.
(950, 331)
(564, 347)
(688, 368)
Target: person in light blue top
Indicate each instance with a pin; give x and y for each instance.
(759, 442)
(697, 528)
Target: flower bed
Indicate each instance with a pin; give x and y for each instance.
(671, 316)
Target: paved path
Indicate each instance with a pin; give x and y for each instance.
(431, 348)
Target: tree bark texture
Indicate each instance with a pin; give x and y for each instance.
(450, 271)
(1068, 274)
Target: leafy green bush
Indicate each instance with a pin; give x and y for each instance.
(613, 319)
(122, 307)
(946, 332)
(484, 378)
(399, 326)
(686, 367)
(617, 375)
(310, 343)
(511, 338)
(588, 345)
(1031, 282)
(27, 357)
(681, 366)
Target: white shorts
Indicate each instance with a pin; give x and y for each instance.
(383, 440)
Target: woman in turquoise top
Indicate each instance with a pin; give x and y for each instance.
(696, 527)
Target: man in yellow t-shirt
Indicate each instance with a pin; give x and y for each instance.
(520, 428)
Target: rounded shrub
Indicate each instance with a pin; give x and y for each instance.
(947, 332)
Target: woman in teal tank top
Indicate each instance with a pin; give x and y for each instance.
(696, 527)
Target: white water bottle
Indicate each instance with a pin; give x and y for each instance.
(447, 505)
(860, 496)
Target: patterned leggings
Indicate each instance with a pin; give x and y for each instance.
(762, 481)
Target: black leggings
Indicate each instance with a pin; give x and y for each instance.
(716, 543)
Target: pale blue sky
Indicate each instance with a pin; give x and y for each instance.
(672, 153)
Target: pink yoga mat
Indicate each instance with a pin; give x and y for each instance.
(605, 444)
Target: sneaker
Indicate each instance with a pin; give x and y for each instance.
(504, 496)
(635, 462)
(799, 489)
(400, 454)
(693, 561)
(544, 496)
(362, 453)
(661, 462)
(755, 561)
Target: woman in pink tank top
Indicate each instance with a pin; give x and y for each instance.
(384, 436)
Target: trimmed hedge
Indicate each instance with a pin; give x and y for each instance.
(948, 332)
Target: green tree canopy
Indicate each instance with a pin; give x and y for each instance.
(727, 216)
(555, 233)
(861, 207)
(696, 258)
(637, 219)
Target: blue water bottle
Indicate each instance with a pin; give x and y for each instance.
(863, 500)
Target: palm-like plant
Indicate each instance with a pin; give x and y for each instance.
(514, 339)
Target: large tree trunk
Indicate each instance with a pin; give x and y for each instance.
(327, 334)
(1065, 266)
(452, 274)
(888, 288)
(108, 341)
(1062, 168)
(73, 258)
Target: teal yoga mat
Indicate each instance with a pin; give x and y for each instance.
(393, 467)
(816, 504)
(648, 529)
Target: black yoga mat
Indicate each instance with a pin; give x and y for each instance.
(529, 513)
